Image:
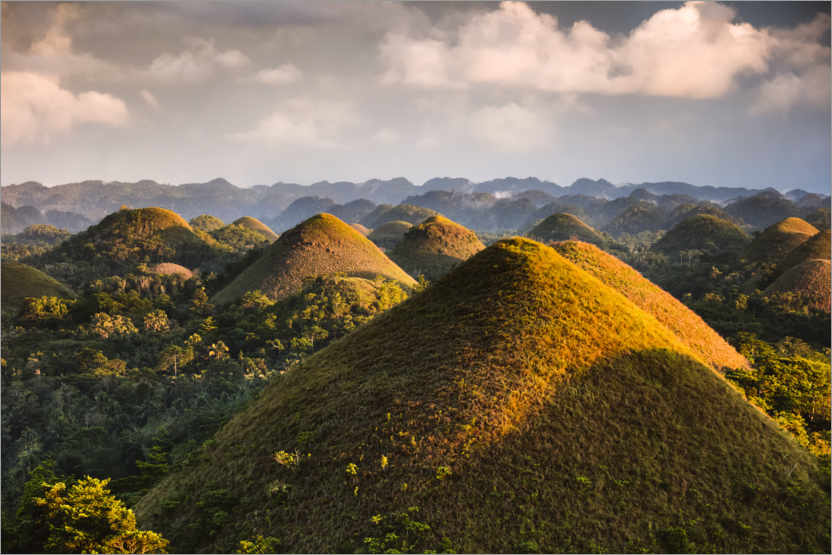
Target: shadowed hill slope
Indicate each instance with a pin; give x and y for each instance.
(434, 247)
(387, 235)
(256, 226)
(648, 296)
(19, 281)
(704, 232)
(817, 247)
(518, 404)
(206, 223)
(564, 226)
(810, 280)
(320, 246)
(776, 241)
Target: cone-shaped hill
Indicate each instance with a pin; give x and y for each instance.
(171, 269)
(384, 213)
(129, 237)
(206, 223)
(776, 241)
(704, 232)
(320, 246)
(517, 404)
(810, 280)
(817, 247)
(434, 247)
(256, 226)
(19, 281)
(651, 298)
(388, 235)
(565, 226)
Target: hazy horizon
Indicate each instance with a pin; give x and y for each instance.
(720, 94)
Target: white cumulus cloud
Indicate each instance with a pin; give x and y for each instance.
(199, 61)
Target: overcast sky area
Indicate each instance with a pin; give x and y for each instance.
(731, 94)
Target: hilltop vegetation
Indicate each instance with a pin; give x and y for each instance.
(256, 226)
(808, 280)
(704, 232)
(479, 418)
(435, 246)
(20, 281)
(563, 227)
(388, 235)
(778, 240)
(322, 245)
(206, 223)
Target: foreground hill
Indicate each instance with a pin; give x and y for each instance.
(19, 281)
(778, 240)
(435, 246)
(388, 235)
(651, 298)
(810, 280)
(320, 246)
(518, 404)
(704, 232)
(562, 227)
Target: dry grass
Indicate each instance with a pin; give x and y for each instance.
(434, 247)
(564, 226)
(778, 240)
(19, 281)
(387, 235)
(256, 226)
(810, 280)
(169, 268)
(521, 404)
(705, 232)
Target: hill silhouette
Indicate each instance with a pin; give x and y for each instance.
(206, 223)
(387, 235)
(810, 280)
(320, 246)
(256, 226)
(565, 226)
(517, 404)
(435, 246)
(775, 242)
(648, 296)
(19, 281)
(704, 232)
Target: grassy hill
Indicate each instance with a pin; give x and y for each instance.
(564, 226)
(19, 281)
(360, 229)
(206, 223)
(387, 235)
(704, 232)
(816, 247)
(810, 280)
(320, 246)
(384, 213)
(775, 242)
(256, 226)
(169, 268)
(435, 246)
(518, 404)
(648, 296)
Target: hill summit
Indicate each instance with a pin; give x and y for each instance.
(810, 280)
(256, 226)
(388, 235)
(435, 246)
(778, 240)
(704, 232)
(518, 404)
(320, 246)
(565, 226)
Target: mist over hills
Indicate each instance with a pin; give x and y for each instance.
(505, 203)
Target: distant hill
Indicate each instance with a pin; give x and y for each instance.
(775, 242)
(678, 318)
(322, 245)
(518, 404)
(763, 209)
(39, 234)
(256, 226)
(388, 235)
(564, 226)
(704, 232)
(300, 210)
(19, 281)
(639, 216)
(206, 223)
(353, 211)
(405, 212)
(360, 229)
(810, 280)
(169, 269)
(818, 246)
(435, 246)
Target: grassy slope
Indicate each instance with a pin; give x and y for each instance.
(705, 232)
(322, 245)
(19, 281)
(207, 223)
(387, 235)
(816, 247)
(559, 415)
(360, 229)
(257, 226)
(434, 247)
(776, 241)
(561, 227)
(809, 279)
(169, 268)
(689, 327)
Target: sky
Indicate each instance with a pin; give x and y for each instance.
(723, 94)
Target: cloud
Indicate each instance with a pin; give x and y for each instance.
(197, 62)
(695, 51)
(35, 108)
(281, 75)
(302, 122)
(510, 128)
(788, 90)
(149, 99)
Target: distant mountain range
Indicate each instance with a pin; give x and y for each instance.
(74, 206)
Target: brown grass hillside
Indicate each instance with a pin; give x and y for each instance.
(256, 226)
(19, 281)
(704, 232)
(387, 235)
(169, 268)
(681, 320)
(810, 280)
(816, 247)
(775, 242)
(518, 404)
(206, 223)
(435, 246)
(565, 226)
(320, 246)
